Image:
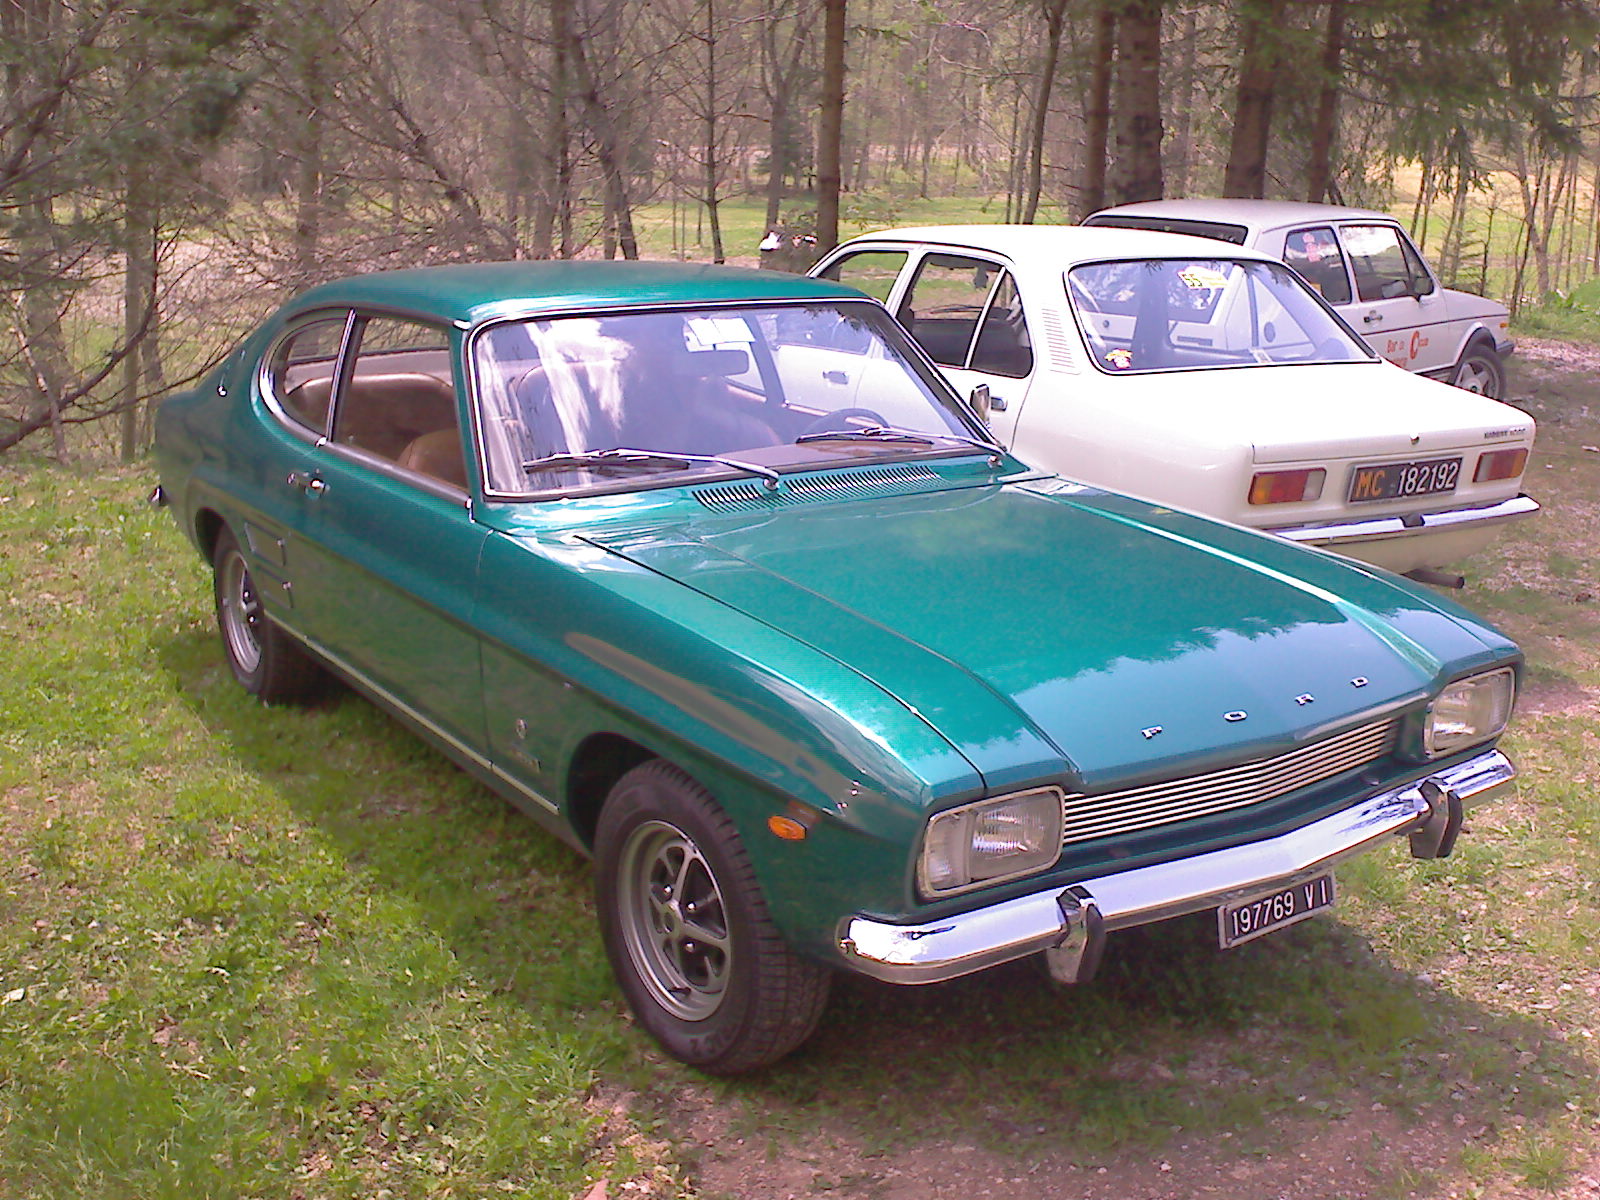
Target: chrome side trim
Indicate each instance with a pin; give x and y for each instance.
(389, 700)
(984, 937)
(1412, 524)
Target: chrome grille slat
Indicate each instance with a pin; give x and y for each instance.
(858, 481)
(1092, 816)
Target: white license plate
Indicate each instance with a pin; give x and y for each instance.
(1249, 919)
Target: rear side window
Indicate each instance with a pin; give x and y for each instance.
(1316, 257)
(300, 375)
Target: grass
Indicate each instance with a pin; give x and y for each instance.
(248, 951)
(269, 952)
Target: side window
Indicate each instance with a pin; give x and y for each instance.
(873, 271)
(952, 300)
(300, 375)
(1315, 256)
(399, 401)
(1004, 347)
(1386, 265)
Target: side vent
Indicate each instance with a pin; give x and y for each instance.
(806, 489)
(1055, 336)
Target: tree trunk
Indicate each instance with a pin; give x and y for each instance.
(1137, 171)
(608, 144)
(712, 163)
(1246, 173)
(138, 300)
(1053, 11)
(830, 128)
(1325, 123)
(1097, 117)
(1182, 153)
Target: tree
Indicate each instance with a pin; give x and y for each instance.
(1137, 173)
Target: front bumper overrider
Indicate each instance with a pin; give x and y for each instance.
(1071, 923)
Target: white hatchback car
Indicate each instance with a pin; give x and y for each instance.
(1364, 265)
(1199, 375)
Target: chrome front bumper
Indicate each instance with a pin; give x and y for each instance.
(1071, 922)
(1412, 524)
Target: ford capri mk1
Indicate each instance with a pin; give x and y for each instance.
(711, 573)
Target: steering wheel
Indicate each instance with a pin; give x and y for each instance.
(834, 422)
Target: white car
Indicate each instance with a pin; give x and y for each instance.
(1198, 375)
(1364, 265)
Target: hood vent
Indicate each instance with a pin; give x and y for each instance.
(834, 485)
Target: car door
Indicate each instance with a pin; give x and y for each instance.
(966, 312)
(391, 549)
(1398, 306)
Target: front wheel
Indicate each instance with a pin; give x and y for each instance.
(266, 661)
(703, 968)
(1480, 370)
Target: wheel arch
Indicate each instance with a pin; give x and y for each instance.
(208, 527)
(598, 762)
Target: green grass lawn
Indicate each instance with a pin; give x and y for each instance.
(278, 952)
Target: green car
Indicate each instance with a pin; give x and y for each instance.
(709, 572)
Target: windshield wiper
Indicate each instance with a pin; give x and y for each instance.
(892, 433)
(622, 456)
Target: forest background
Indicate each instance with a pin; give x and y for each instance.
(171, 169)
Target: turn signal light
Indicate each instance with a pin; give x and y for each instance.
(1500, 464)
(1287, 487)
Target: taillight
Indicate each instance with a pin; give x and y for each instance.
(1500, 464)
(1287, 487)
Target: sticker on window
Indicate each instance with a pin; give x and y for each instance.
(1121, 358)
(1198, 277)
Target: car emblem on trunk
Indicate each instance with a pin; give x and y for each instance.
(1237, 714)
(1304, 699)
(1151, 732)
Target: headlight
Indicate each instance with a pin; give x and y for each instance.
(1469, 710)
(990, 841)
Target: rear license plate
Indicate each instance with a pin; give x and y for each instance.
(1395, 481)
(1259, 915)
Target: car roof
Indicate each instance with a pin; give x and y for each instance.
(1060, 244)
(471, 292)
(1253, 214)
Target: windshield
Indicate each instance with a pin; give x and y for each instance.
(1179, 314)
(746, 390)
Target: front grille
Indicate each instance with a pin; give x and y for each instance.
(1090, 817)
(858, 481)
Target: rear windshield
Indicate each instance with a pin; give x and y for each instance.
(1220, 230)
(1166, 314)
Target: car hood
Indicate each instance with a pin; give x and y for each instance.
(1121, 635)
(1284, 412)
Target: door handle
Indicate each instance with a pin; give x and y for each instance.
(1371, 317)
(307, 481)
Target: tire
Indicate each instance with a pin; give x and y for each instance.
(1480, 370)
(266, 661)
(699, 960)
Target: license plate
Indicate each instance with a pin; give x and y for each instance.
(1263, 914)
(1395, 481)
